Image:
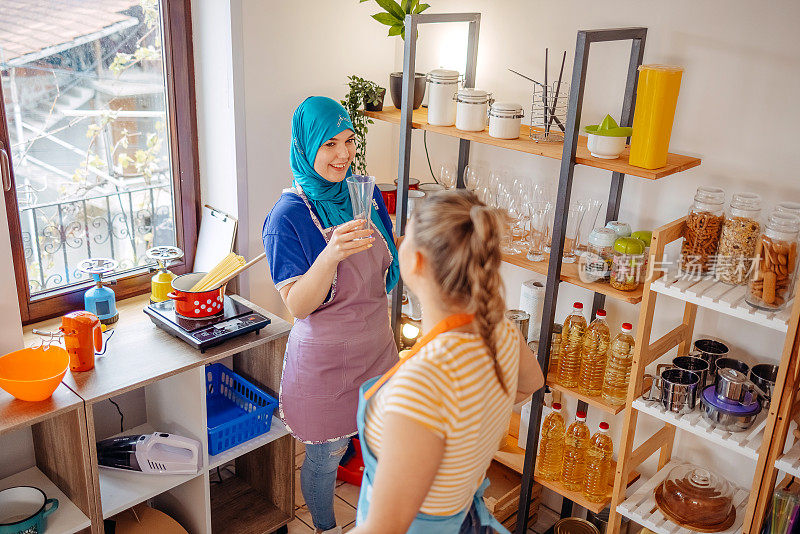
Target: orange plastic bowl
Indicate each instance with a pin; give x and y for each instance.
(33, 374)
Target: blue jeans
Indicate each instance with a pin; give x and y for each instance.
(318, 480)
(472, 524)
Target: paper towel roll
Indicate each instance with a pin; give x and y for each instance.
(531, 300)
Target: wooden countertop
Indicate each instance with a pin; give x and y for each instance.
(15, 414)
(140, 352)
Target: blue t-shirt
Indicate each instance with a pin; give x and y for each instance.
(291, 239)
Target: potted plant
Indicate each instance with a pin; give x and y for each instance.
(393, 15)
(369, 95)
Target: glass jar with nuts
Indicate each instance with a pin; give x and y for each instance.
(738, 239)
(770, 286)
(701, 232)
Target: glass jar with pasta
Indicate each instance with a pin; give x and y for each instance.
(702, 230)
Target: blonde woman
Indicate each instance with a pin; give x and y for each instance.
(430, 426)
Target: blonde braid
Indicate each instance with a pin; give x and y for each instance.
(461, 237)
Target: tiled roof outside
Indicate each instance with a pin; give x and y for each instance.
(28, 26)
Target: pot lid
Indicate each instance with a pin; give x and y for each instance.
(729, 407)
(696, 496)
(510, 107)
(732, 375)
(444, 74)
(468, 94)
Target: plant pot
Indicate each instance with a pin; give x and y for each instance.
(375, 107)
(396, 88)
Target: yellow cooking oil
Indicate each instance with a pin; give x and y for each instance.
(618, 368)
(551, 445)
(598, 466)
(594, 352)
(576, 443)
(569, 361)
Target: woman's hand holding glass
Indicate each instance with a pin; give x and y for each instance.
(348, 239)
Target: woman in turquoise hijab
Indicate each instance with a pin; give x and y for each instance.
(333, 274)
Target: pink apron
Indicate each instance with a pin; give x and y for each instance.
(339, 346)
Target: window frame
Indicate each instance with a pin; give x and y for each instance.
(180, 89)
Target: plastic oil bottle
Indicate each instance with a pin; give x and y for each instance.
(569, 360)
(551, 445)
(598, 465)
(618, 368)
(576, 444)
(594, 353)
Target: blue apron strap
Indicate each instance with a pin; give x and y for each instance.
(486, 518)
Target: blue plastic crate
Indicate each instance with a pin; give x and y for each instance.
(237, 410)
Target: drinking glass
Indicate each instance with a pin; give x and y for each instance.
(447, 175)
(361, 189)
(505, 200)
(472, 177)
(538, 209)
(574, 219)
(588, 224)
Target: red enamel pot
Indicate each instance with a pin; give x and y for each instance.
(195, 304)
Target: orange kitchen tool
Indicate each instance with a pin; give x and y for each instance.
(83, 338)
(33, 374)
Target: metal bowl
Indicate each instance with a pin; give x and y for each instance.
(730, 417)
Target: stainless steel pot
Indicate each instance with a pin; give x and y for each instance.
(733, 386)
(710, 350)
(764, 376)
(727, 421)
(676, 390)
(733, 363)
(696, 365)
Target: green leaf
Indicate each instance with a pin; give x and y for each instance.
(411, 6)
(405, 5)
(392, 7)
(395, 30)
(386, 18)
(362, 1)
(421, 7)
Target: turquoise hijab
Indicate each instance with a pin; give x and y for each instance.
(315, 121)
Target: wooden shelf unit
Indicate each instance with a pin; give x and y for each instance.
(569, 274)
(758, 445)
(675, 162)
(61, 470)
(172, 376)
(596, 402)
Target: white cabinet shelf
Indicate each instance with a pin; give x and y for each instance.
(789, 463)
(641, 506)
(68, 518)
(721, 297)
(745, 443)
(277, 430)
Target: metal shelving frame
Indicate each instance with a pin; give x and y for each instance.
(584, 40)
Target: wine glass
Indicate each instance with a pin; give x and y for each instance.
(447, 175)
(472, 177)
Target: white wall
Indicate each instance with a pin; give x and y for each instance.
(736, 110)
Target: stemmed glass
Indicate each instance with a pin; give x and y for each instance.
(447, 175)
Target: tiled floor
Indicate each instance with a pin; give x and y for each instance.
(344, 503)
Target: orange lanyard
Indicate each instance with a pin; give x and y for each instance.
(450, 323)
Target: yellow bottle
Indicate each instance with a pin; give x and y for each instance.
(551, 445)
(598, 465)
(576, 444)
(656, 99)
(618, 368)
(569, 359)
(594, 353)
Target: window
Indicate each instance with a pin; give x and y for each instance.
(97, 119)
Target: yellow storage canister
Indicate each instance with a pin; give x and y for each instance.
(656, 99)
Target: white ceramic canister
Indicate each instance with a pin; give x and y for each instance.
(442, 87)
(505, 119)
(472, 109)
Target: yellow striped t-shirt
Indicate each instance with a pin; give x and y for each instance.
(451, 388)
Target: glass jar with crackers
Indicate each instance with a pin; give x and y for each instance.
(702, 230)
(738, 239)
(770, 286)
